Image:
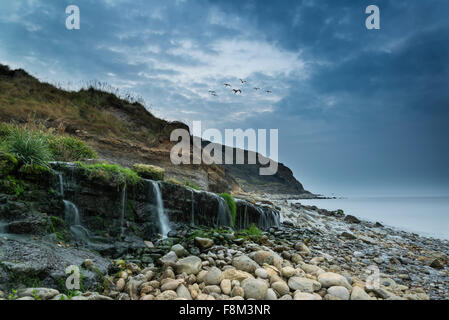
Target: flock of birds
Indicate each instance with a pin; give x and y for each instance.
(239, 90)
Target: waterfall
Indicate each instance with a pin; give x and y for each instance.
(224, 214)
(193, 208)
(163, 219)
(2, 228)
(61, 185)
(244, 219)
(72, 217)
(122, 216)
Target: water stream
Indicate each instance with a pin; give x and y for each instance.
(164, 224)
(122, 216)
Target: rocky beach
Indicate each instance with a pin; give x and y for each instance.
(312, 254)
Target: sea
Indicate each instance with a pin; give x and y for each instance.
(426, 216)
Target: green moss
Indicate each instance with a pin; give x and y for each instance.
(253, 232)
(147, 171)
(190, 184)
(36, 173)
(231, 204)
(110, 173)
(13, 186)
(58, 226)
(8, 163)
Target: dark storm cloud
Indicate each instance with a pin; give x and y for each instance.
(358, 110)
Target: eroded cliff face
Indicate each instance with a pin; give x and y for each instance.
(125, 133)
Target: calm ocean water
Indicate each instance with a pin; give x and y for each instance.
(427, 216)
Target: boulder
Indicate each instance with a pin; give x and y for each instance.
(330, 279)
(338, 293)
(270, 258)
(233, 274)
(204, 243)
(245, 263)
(179, 250)
(306, 296)
(40, 293)
(255, 289)
(214, 276)
(359, 294)
(303, 284)
(281, 288)
(189, 265)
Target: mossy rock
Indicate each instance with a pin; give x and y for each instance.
(151, 172)
(8, 163)
(36, 173)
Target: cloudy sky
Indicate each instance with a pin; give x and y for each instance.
(358, 111)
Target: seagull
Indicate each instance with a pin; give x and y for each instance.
(227, 85)
(268, 91)
(214, 94)
(237, 91)
(243, 81)
(212, 91)
(257, 89)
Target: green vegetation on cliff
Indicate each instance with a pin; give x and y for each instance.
(34, 144)
(231, 204)
(110, 173)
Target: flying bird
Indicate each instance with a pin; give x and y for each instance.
(227, 85)
(268, 91)
(243, 81)
(257, 89)
(236, 91)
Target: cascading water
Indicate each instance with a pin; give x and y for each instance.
(122, 216)
(3, 228)
(72, 216)
(61, 185)
(163, 219)
(193, 208)
(224, 214)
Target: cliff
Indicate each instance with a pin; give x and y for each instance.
(123, 131)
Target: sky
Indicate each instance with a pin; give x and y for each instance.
(359, 112)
